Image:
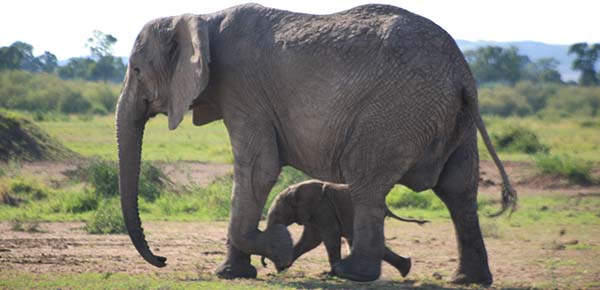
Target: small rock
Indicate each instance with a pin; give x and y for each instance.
(437, 276)
(544, 208)
(562, 232)
(571, 242)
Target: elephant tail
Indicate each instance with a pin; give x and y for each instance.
(389, 213)
(509, 194)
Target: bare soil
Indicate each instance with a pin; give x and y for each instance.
(519, 258)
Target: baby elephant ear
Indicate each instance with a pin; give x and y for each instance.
(189, 58)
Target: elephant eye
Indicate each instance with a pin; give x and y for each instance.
(136, 70)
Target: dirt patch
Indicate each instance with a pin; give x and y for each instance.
(183, 173)
(527, 180)
(522, 257)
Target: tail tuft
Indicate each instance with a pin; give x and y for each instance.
(509, 200)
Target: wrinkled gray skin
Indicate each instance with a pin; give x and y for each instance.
(326, 212)
(369, 97)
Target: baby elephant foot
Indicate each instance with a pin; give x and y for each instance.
(360, 269)
(404, 266)
(281, 248)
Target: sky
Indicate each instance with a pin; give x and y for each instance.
(62, 27)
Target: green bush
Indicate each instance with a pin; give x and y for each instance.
(103, 176)
(27, 189)
(518, 139)
(405, 197)
(578, 171)
(41, 92)
(77, 202)
(74, 102)
(107, 219)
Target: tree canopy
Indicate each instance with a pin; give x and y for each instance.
(101, 65)
(495, 64)
(585, 62)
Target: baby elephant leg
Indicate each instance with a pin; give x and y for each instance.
(402, 264)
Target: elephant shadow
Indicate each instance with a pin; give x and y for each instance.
(336, 283)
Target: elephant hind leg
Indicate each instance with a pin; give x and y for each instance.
(457, 187)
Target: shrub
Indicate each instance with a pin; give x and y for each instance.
(107, 219)
(404, 197)
(519, 139)
(20, 189)
(41, 92)
(103, 176)
(578, 171)
(77, 202)
(74, 102)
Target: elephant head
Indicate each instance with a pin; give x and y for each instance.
(167, 71)
(294, 204)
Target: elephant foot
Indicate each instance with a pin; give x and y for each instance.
(234, 271)
(404, 266)
(360, 269)
(474, 278)
(237, 265)
(281, 249)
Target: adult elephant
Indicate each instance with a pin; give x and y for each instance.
(371, 97)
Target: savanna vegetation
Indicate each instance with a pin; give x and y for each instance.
(535, 119)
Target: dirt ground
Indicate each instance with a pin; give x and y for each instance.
(198, 247)
(519, 257)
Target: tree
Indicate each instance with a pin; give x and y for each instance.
(47, 62)
(587, 55)
(497, 64)
(10, 58)
(19, 55)
(107, 67)
(543, 70)
(100, 44)
(77, 68)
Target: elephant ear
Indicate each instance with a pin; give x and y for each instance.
(189, 58)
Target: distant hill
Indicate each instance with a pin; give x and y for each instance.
(534, 50)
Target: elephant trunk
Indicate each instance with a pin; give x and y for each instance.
(130, 130)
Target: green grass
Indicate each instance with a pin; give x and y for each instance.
(125, 281)
(562, 136)
(578, 171)
(96, 137)
(532, 210)
(210, 143)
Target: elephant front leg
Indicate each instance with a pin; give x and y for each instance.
(256, 169)
(236, 265)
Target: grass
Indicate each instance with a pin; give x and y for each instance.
(210, 143)
(107, 219)
(123, 281)
(578, 171)
(23, 139)
(573, 136)
(96, 137)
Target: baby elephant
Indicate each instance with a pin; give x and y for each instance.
(325, 210)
